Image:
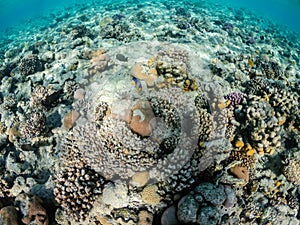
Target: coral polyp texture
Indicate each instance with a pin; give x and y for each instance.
(30, 64)
(124, 114)
(76, 188)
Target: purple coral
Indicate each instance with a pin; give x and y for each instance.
(251, 40)
(235, 97)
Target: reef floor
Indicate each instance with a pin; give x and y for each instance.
(160, 112)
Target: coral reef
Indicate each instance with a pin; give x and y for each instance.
(44, 97)
(30, 64)
(206, 204)
(76, 188)
(79, 31)
(34, 126)
(32, 210)
(162, 112)
(120, 30)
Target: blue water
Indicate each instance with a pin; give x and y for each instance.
(14, 12)
(283, 12)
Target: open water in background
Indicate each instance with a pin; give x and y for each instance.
(15, 12)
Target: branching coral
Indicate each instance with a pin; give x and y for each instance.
(44, 97)
(30, 64)
(76, 188)
(34, 126)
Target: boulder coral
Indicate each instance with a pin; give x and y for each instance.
(142, 118)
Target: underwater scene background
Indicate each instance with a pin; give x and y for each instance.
(149, 112)
(12, 12)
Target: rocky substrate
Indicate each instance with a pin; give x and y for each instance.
(125, 114)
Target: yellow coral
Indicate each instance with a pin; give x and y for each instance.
(151, 61)
(270, 150)
(150, 195)
(98, 53)
(249, 150)
(239, 144)
(222, 105)
(250, 62)
(145, 218)
(266, 97)
(281, 120)
(260, 151)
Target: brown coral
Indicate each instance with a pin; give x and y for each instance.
(32, 209)
(70, 119)
(142, 118)
(76, 188)
(140, 179)
(150, 195)
(145, 73)
(145, 218)
(240, 172)
(9, 216)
